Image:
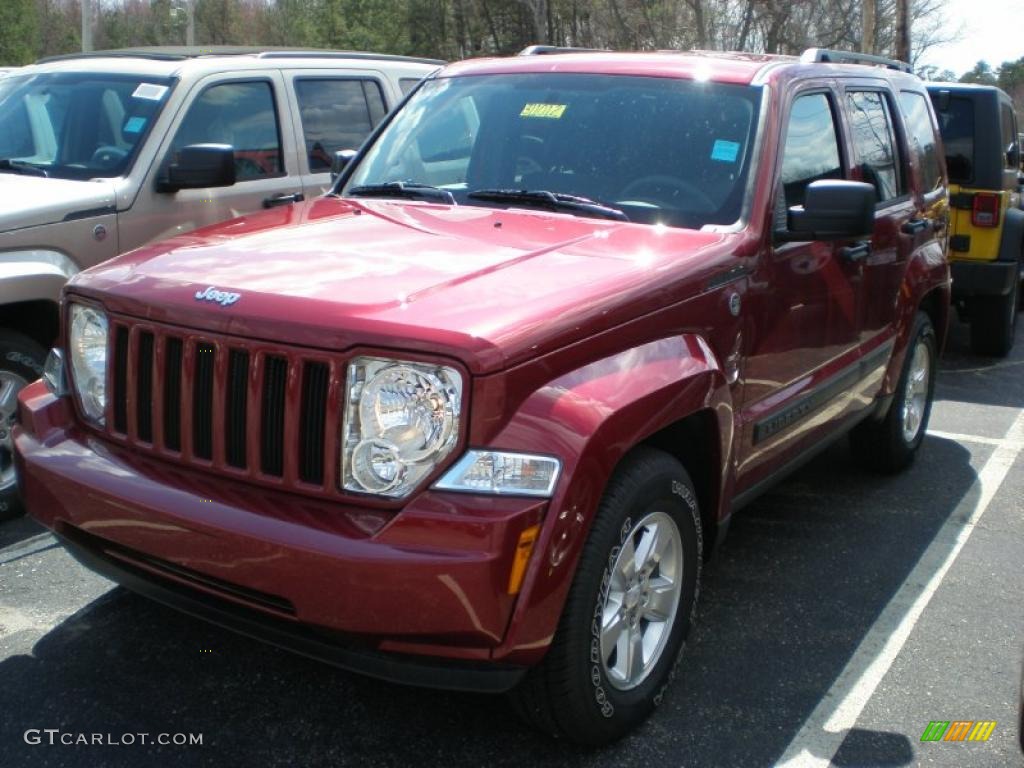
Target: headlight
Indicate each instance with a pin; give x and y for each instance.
(401, 420)
(87, 348)
(502, 473)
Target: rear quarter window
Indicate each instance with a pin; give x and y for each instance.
(956, 124)
(921, 135)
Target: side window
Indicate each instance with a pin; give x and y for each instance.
(873, 143)
(812, 147)
(336, 114)
(922, 138)
(242, 115)
(1011, 152)
(406, 84)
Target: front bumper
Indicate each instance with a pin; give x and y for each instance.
(418, 596)
(983, 278)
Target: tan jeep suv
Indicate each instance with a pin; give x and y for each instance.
(101, 153)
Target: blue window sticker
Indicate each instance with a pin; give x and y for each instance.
(134, 125)
(725, 151)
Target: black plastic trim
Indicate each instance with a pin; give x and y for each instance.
(821, 395)
(88, 213)
(728, 276)
(983, 278)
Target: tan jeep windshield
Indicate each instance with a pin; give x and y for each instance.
(76, 125)
(659, 150)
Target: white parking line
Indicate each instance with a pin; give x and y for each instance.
(821, 735)
(961, 438)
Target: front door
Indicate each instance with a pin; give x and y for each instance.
(243, 110)
(806, 304)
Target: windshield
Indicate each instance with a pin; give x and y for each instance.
(76, 125)
(659, 150)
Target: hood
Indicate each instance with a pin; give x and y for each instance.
(484, 285)
(31, 201)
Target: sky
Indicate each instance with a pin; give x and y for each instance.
(993, 30)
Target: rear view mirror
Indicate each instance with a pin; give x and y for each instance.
(200, 166)
(832, 210)
(340, 160)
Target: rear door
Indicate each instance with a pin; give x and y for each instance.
(334, 110)
(900, 223)
(245, 110)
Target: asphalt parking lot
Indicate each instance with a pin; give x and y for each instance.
(843, 614)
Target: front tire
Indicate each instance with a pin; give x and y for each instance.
(889, 445)
(21, 361)
(628, 611)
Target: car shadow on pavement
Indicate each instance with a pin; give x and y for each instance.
(968, 378)
(18, 530)
(805, 571)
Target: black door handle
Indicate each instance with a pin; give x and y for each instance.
(855, 253)
(276, 200)
(914, 226)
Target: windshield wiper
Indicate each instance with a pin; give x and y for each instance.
(411, 189)
(20, 166)
(555, 201)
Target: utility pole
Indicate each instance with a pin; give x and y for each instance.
(903, 30)
(86, 25)
(190, 27)
(868, 15)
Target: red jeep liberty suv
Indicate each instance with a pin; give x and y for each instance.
(476, 418)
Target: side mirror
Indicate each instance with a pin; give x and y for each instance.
(200, 166)
(341, 159)
(832, 210)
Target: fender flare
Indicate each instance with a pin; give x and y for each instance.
(33, 275)
(926, 281)
(592, 417)
(1011, 244)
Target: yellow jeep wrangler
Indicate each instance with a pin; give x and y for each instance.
(983, 155)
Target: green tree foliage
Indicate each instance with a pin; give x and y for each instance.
(19, 27)
(454, 29)
(982, 74)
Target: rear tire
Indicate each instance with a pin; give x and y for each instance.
(994, 323)
(889, 445)
(21, 362)
(594, 685)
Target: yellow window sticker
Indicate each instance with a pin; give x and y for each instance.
(551, 111)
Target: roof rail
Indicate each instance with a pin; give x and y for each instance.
(182, 53)
(541, 50)
(828, 56)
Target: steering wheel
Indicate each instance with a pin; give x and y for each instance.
(107, 156)
(657, 185)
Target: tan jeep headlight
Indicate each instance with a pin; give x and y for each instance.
(401, 419)
(87, 349)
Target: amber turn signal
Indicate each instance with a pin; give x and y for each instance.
(522, 556)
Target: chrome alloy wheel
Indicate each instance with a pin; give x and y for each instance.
(10, 385)
(915, 393)
(639, 609)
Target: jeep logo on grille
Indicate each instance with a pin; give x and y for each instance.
(224, 298)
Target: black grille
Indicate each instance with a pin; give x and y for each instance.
(144, 388)
(121, 380)
(172, 394)
(315, 382)
(223, 402)
(202, 401)
(235, 407)
(275, 380)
